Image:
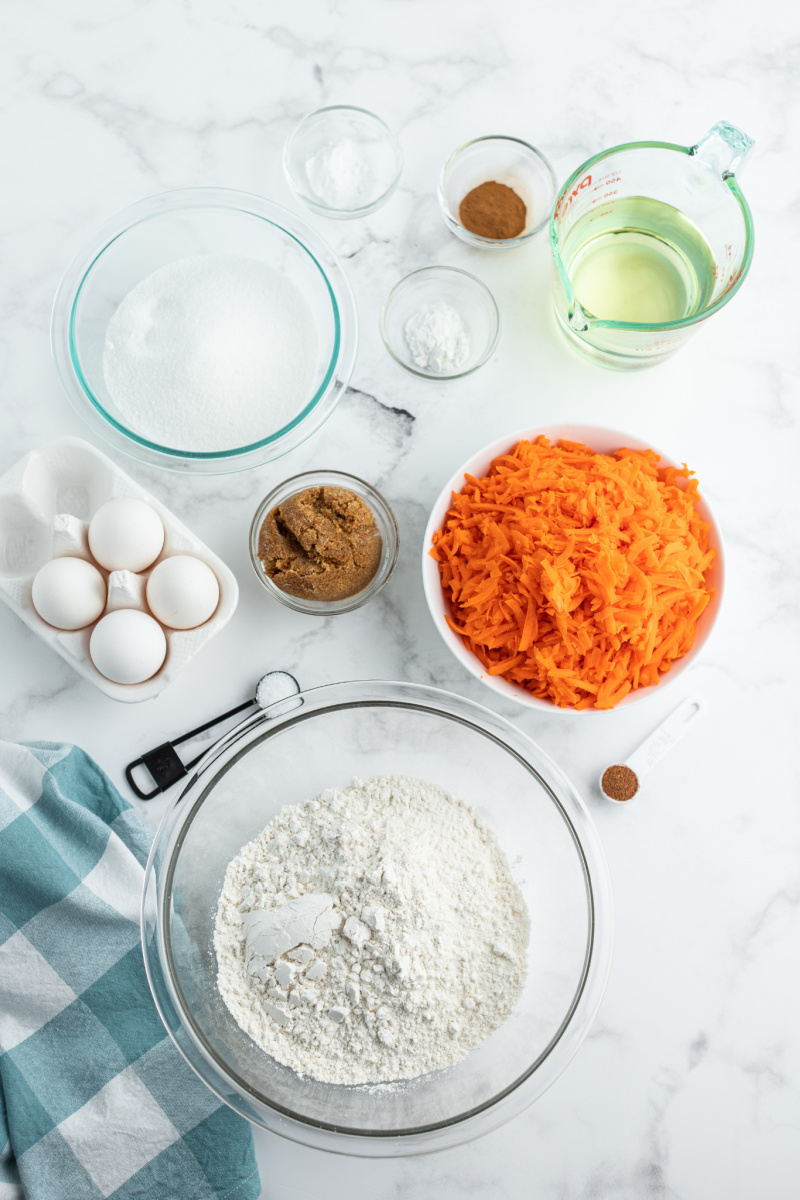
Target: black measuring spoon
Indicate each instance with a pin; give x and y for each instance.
(164, 764)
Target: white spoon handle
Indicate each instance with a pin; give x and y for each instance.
(662, 739)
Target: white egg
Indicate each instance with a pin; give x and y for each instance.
(126, 535)
(69, 593)
(127, 646)
(182, 591)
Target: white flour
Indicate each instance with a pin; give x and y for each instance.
(211, 352)
(437, 338)
(373, 933)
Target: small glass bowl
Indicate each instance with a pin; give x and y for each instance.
(507, 160)
(360, 142)
(385, 520)
(471, 299)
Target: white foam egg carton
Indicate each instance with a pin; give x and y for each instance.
(46, 502)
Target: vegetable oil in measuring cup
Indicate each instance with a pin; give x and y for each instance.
(639, 261)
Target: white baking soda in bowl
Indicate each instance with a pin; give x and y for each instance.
(211, 353)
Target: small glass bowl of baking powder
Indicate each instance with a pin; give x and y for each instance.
(440, 323)
(384, 520)
(500, 160)
(342, 162)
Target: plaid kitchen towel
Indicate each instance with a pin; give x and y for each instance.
(95, 1101)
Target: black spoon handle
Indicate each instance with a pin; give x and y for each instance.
(164, 764)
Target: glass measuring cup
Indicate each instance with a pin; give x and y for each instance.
(648, 240)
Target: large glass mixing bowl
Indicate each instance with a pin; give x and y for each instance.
(176, 225)
(325, 737)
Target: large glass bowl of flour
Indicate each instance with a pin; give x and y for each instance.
(204, 330)
(325, 738)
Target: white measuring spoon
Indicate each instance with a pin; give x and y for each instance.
(653, 749)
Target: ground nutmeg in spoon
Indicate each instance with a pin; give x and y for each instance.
(619, 782)
(320, 544)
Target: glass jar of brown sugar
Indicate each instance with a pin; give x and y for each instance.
(324, 542)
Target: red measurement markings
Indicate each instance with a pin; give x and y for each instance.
(721, 270)
(733, 279)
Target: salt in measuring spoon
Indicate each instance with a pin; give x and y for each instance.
(628, 774)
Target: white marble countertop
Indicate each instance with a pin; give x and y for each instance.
(688, 1085)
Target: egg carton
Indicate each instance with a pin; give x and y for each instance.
(46, 502)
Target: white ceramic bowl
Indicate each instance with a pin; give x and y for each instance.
(604, 441)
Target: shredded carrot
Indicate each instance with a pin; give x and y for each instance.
(576, 575)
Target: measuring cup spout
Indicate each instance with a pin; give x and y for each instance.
(725, 148)
(578, 319)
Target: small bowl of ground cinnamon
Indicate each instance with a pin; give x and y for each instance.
(324, 542)
(496, 192)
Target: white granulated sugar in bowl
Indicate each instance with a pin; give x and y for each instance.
(373, 933)
(209, 353)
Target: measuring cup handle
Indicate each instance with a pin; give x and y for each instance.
(666, 735)
(725, 148)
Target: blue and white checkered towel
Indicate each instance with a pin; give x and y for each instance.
(96, 1101)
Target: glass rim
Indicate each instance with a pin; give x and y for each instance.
(729, 181)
